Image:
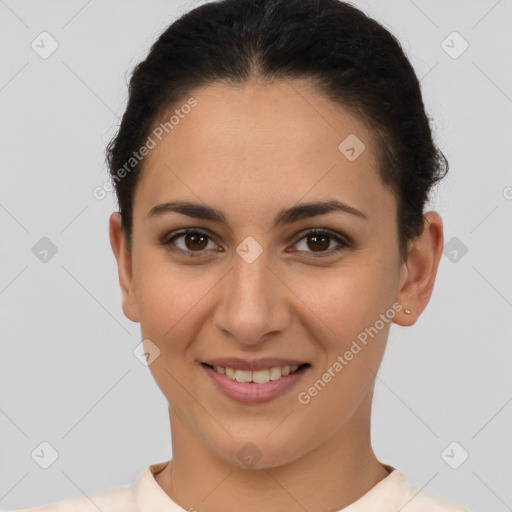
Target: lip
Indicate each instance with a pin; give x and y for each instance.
(251, 392)
(253, 366)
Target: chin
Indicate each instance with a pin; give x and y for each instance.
(256, 452)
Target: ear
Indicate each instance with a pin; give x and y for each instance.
(419, 271)
(122, 254)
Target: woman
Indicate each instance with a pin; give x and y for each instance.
(272, 169)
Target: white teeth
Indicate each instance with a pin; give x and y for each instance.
(275, 373)
(259, 376)
(243, 376)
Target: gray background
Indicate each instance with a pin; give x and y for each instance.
(68, 375)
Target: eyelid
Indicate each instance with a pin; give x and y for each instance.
(169, 237)
(325, 231)
(343, 241)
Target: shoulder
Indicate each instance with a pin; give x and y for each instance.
(142, 493)
(120, 499)
(416, 499)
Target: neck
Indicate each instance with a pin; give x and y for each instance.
(330, 477)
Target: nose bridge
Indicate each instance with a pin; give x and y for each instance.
(251, 305)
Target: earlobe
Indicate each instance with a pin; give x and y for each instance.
(419, 270)
(123, 257)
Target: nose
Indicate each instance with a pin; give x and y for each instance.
(253, 302)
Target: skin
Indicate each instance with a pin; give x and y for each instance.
(251, 151)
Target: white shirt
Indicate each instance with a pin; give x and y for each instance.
(392, 494)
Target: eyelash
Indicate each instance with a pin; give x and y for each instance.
(342, 241)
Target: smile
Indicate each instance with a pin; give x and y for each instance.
(255, 386)
(259, 376)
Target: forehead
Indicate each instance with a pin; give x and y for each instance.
(262, 142)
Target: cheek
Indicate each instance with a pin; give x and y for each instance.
(169, 302)
(170, 315)
(344, 312)
(347, 299)
(346, 323)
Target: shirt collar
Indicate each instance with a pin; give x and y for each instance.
(385, 496)
(149, 496)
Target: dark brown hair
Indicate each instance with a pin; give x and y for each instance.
(351, 58)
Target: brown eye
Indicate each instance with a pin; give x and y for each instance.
(190, 242)
(195, 241)
(319, 241)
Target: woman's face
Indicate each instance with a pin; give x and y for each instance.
(258, 285)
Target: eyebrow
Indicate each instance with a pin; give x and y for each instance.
(283, 217)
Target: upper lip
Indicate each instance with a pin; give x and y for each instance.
(257, 364)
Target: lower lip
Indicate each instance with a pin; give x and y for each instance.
(251, 392)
